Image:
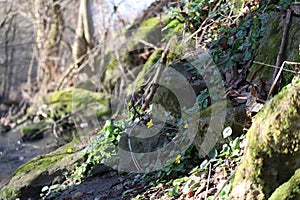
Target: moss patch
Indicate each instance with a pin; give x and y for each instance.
(288, 190)
(65, 101)
(33, 131)
(273, 151)
(43, 162)
(270, 44)
(9, 193)
(28, 179)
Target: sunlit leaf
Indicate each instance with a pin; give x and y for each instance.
(227, 132)
(204, 164)
(213, 153)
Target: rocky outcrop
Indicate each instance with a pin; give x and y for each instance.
(41, 171)
(273, 150)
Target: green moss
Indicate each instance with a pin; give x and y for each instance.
(9, 193)
(270, 44)
(176, 28)
(273, 148)
(41, 170)
(268, 49)
(144, 73)
(43, 162)
(176, 50)
(65, 101)
(33, 131)
(289, 190)
(151, 23)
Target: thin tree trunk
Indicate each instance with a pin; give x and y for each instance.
(84, 32)
(48, 26)
(11, 79)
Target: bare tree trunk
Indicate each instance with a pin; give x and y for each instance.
(49, 29)
(84, 32)
(82, 43)
(10, 78)
(8, 57)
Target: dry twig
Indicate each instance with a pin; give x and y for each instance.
(278, 76)
(155, 81)
(208, 180)
(282, 47)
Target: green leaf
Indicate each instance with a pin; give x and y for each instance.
(235, 144)
(194, 170)
(186, 188)
(204, 165)
(227, 132)
(213, 153)
(247, 56)
(179, 181)
(174, 191)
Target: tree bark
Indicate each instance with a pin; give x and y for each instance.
(49, 29)
(84, 32)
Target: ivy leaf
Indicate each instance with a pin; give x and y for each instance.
(204, 165)
(227, 132)
(235, 144)
(213, 153)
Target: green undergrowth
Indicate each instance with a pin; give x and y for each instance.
(187, 175)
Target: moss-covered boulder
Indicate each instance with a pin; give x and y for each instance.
(269, 48)
(213, 120)
(273, 151)
(65, 101)
(288, 190)
(30, 178)
(33, 132)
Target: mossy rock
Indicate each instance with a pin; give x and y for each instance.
(40, 171)
(212, 121)
(65, 101)
(288, 190)
(273, 150)
(269, 48)
(146, 29)
(33, 131)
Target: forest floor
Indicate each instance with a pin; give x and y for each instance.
(107, 186)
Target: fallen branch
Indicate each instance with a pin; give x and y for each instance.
(155, 81)
(274, 66)
(282, 45)
(208, 180)
(278, 76)
(224, 184)
(148, 44)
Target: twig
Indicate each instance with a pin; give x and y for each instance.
(208, 179)
(196, 32)
(224, 184)
(69, 71)
(155, 81)
(274, 66)
(282, 45)
(147, 43)
(135, 162)
(184, 31)
(277, 77)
